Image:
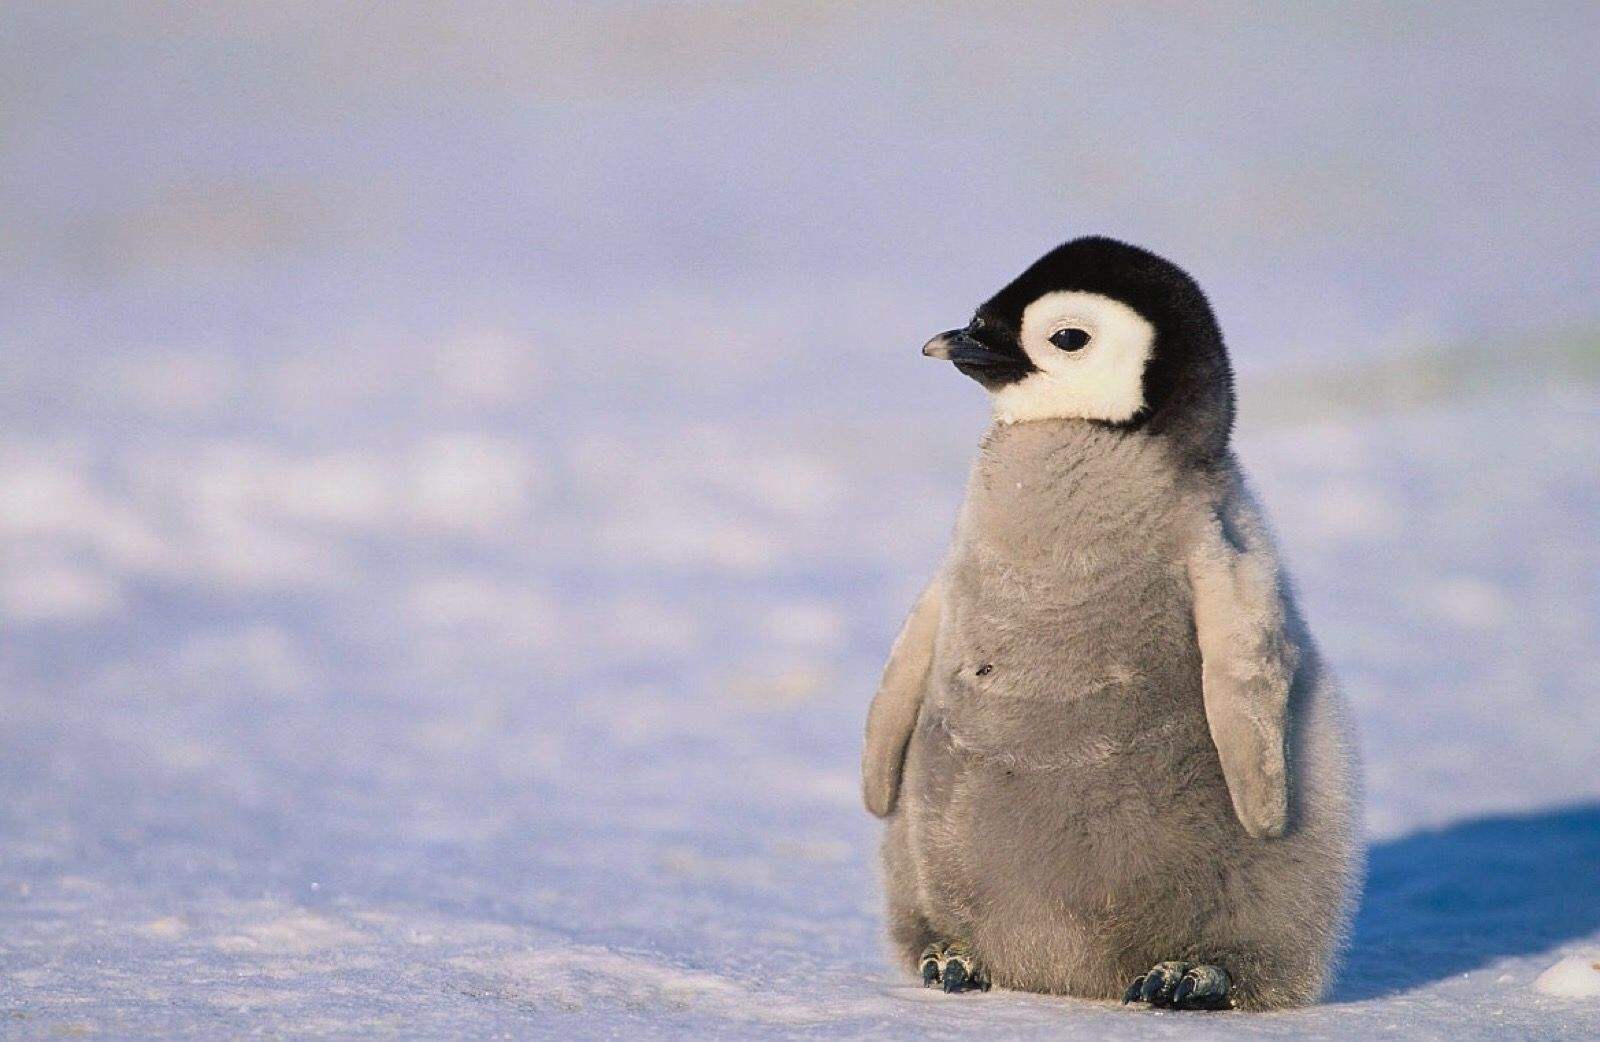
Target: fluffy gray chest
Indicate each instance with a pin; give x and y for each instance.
(1067, 636)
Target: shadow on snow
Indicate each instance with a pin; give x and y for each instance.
(1449, 900)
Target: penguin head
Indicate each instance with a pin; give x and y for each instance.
(1100, 331)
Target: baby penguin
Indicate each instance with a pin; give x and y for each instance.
(1111, 760)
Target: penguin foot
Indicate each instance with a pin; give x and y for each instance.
(1181, 985)
(951, 967)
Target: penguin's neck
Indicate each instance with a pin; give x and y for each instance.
(1045, 488)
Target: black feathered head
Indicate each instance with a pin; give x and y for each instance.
(1105, 332)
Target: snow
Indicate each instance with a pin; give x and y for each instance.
(405, 636)
(418, 777)
(1576, 977)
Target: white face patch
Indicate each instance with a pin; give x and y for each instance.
(1102, 380)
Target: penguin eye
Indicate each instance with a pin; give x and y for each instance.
(1070, 339)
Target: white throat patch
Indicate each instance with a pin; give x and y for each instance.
(1103, 380)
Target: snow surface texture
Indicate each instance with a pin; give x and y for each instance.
(408, 636)
(438, 774)
(1577, 977)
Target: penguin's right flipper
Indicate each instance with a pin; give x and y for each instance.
(899, 699)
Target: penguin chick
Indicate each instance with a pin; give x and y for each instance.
(1112, 762)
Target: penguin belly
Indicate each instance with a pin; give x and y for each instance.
(1069, 796)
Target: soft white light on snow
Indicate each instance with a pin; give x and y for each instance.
(1575, 977)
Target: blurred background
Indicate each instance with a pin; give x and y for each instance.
(461, 470)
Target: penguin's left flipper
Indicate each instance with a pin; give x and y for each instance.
(1181, 985)
(952, 967)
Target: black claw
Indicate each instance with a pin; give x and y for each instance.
(955, 976)
(930, 973)
(1181, 986)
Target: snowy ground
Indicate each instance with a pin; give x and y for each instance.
(478, 737)
(458, 481)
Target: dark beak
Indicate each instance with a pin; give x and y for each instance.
(961, 348)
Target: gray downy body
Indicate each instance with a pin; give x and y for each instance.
(1062, 806)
